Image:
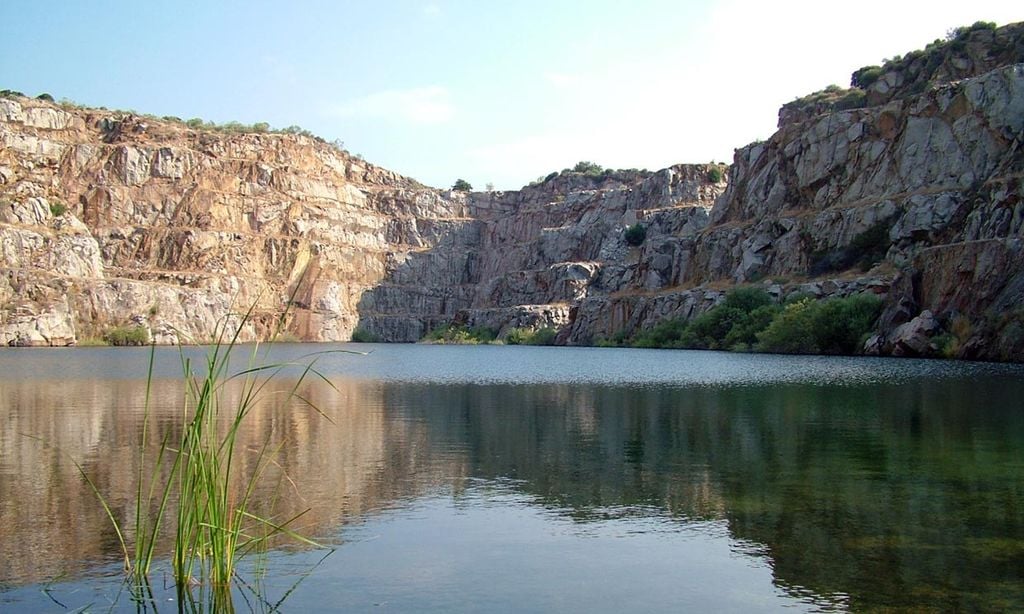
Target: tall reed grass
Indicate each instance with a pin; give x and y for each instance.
(194, 477)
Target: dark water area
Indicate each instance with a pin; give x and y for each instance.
(550, 479)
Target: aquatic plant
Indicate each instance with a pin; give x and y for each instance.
(194, 473)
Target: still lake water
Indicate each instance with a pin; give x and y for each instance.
(489, 478)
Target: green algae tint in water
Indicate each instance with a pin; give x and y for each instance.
(558, 479)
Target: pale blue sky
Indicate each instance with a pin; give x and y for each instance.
(497, 92)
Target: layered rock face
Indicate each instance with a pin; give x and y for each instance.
(934, 177)
(916, 199)
(108, 219)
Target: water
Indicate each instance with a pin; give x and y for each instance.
(495, 478)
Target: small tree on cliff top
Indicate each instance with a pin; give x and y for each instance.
(587, 168)
(461, 185)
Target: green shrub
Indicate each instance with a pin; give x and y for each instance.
(666, 333)
(517, 336)
(834, 326)
(58, 208)
(853, 99)
(747, 298)
(831, 98)
(127, 335)
(947, 344)
(962, 32)
(361, 335)
(865, 76)
(744, 332)
(297, 130)
(11, 94)
(550, 176)
(587, 168)
(522, 336)
(460, 335)
(790, 331)
(44, 96)
(709, 330)
(840, 325)
(461, 185)
(636, 234)
(748, 318)
(715, 175)
(743, 313)
(615, 341)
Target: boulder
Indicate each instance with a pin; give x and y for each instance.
(915, 337)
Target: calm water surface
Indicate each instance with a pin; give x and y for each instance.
(488, 478)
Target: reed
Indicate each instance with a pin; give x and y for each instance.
(194, 478)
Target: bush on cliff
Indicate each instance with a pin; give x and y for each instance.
(865, 76)
(743, 334)
(962, 32)
(636, 234)
(833, 326)
(361, 335)
(460, 335)
(522, 336)
(664, 334)
(588, 168)
(127, 335)
(790, 331)
(732, 324)
(748, 318)
(841, 325)
(461, 185)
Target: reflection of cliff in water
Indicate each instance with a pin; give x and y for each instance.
(339, 469)
(891, 494)
(887, 493)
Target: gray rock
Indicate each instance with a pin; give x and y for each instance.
(915, 337)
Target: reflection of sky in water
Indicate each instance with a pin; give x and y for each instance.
(493, 550)
(496, 551)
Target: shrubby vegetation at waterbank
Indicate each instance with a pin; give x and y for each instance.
(460, 334)
(750, 320)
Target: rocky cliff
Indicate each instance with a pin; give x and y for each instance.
(913, 194)
(108, 219)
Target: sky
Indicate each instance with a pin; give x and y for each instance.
(492, 92)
